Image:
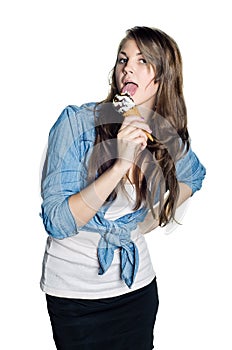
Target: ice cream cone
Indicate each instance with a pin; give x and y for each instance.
(134, 111)
(125, 105)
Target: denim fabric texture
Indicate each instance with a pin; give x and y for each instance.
(65, 172)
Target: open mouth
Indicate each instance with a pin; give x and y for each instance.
(130, 88)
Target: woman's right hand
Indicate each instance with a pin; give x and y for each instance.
(131, 140)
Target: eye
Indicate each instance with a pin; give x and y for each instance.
(142, 60)
(122, 60)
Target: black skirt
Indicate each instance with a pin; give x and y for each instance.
(124, 322)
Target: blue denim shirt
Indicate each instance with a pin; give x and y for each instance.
(65, 173)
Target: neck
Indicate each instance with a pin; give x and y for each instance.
(145, 112)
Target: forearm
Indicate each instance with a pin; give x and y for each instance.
(185, 193)
(131, 141)
(85, 204)
(150, 223)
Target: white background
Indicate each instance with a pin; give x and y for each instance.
(55, 53)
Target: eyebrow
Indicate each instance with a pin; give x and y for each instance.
(124, 53)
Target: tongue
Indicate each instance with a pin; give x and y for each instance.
(130, 88)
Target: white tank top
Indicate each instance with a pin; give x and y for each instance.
(70, 265)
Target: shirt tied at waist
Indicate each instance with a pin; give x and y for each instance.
(116, 237)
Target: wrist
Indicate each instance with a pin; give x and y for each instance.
(121, 167)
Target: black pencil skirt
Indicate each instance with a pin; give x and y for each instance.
(124, 322)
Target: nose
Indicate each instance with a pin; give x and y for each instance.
(128, 68)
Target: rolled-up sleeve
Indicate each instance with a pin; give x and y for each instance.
(60, 176)
(190, 171)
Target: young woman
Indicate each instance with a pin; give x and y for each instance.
(105, 184)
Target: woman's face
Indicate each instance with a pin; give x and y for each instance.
(132, 67)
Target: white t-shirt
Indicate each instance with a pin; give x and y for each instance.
(70, 265)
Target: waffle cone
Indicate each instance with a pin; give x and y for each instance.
(133, 111)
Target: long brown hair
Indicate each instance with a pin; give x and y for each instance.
(168, 122)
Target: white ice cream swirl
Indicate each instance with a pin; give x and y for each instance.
(123, 102)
